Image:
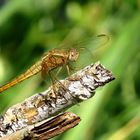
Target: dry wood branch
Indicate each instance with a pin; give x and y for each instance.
(46, 129)
(74, 89)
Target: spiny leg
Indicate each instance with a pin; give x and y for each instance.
(58, 71)
(54, 80)
(69, 68)
(62, 86)
(54, 95)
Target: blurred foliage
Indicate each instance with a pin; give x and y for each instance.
(29, 28)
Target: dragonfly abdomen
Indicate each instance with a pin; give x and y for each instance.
(36, 68)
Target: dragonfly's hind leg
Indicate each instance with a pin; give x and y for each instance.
(54, 81)
(53, 94)
(64, 88)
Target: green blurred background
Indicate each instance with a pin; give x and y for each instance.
(28, 28)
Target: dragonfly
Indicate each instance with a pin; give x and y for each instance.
(53, 59)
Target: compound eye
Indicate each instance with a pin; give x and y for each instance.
(72, 54)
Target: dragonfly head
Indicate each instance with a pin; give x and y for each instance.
(73, 54)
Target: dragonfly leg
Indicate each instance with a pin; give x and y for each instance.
(54, 95)
(58, 71)
(54, 87)
(53, 78)
(69, 68)
(65, 89)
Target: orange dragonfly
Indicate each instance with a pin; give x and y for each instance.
(51, 60)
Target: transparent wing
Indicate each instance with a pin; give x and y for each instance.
(94, 42)
(87, 46)
(83, 41)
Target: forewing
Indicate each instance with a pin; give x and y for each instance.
(82, 41)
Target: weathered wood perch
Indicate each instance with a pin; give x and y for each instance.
(74, 89)
(46, 129)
